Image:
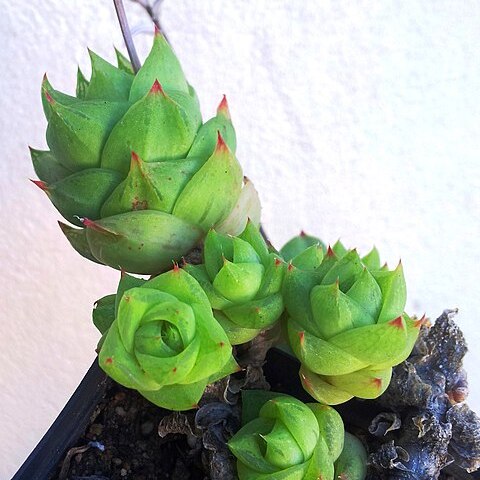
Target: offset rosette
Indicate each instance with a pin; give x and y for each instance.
(242, 280)
(289, 440)
(164, 341)
(131, 162)
(346, 321)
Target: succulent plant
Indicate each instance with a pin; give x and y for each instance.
(286, 439)
(243, 281)
(346, 321)
(131, 162)
(163, 340)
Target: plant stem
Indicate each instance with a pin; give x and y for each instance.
(127, 35)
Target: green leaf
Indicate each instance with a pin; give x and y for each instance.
(352, 463)
(107, 82)
(82, 85)
(213, 191)
(104, 313)
(78, 240)
(394, 292)
(77, 132)
(47, 167)
(161, 64)
(83, 193)
(152, 186)
(298, 244)
(239, 282)
(156, 128)
(144, 241)
(123, 62)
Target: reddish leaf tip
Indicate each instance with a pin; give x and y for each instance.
(278, 262)
(377, 383)
(174, 370)
(306, 382)
(93, 225)
(41, 185)
(157, 31)
(222, 344)
(176, 268)
(108, 361)
(290, 267)
(223, 109)
(301, 336)
(156, 88)
(421, 321)
(221, 145)
(397, 323)
(135, 158)
(302, 233)
(45, 78)
(330, 252)
(48, 97)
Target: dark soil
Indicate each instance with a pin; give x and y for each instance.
(125, 426)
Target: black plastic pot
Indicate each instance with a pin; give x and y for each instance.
(280, 370)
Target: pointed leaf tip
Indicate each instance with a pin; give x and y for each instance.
(135, 158)
(221, 145)
(157, 88)
(302, 233)
(41, 185)
(93, 225)
(223, 109)
(397, 323)
(422, 321)
(330, 252)
(176, 268)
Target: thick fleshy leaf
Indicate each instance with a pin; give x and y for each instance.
(78, 240)
(236, 335)
(352, 462)
(239, 282)
(77, 133)
(394, 292)
(319, 388)
(346, 271)
(273, 277)
(320, 355)
(331, 428)
(151, 186)
(144, 241)
(336, 312)
(123, 62)
(82, 85)
(373, 343)
(161, 64)
(126, 283)
(256, 314)
(104, 313)
(248, 208)
(83, 193)
(50, 95)
(206, 139)
(47, 167)
(310, 259)
(213, 191)
(107, 82)
(254, 237)
(155, 128)
(298, 418)
(372, 260)
(121, 365)
(217, 247)
(366, 293)
(366, 383)
(298, 244)
(200, 274)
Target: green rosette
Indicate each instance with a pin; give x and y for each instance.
(346, 322)
(162, 339)
(285, 439)
(132, 164)
(243, 281)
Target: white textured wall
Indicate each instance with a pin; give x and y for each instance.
(357, 120)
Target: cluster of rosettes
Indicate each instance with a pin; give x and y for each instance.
(132, 163)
